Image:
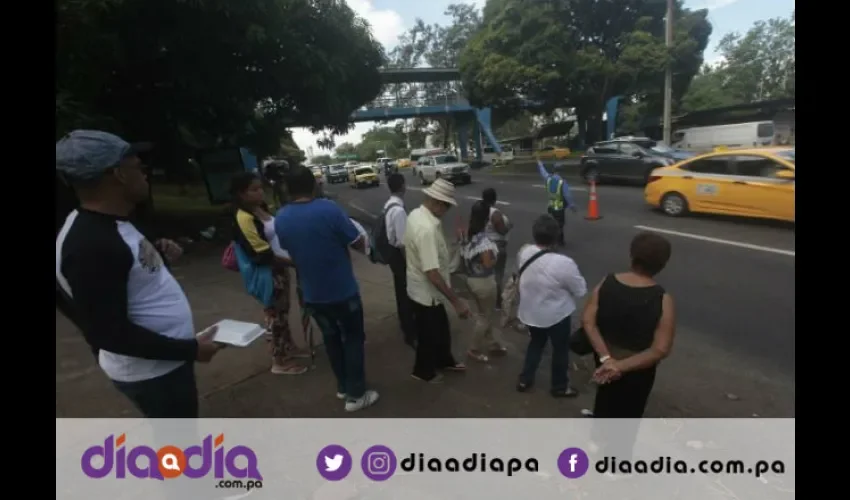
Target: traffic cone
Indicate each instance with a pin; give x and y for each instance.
(593, 204)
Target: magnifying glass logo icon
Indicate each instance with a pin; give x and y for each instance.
(172, 461)
(169, 461)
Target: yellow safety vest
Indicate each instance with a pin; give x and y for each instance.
(555, 190)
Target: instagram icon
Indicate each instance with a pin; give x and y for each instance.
(378, 463)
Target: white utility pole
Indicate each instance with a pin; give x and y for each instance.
(668, 76)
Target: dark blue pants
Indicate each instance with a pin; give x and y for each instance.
(343, 333)
(173, 395)
(559, 336)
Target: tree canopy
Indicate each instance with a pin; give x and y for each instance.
(579, 53)
(758, 65)
(191, 74)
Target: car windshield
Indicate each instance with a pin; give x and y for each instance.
(337, 168)
(443, 159)
(787, 154)
(364, 170)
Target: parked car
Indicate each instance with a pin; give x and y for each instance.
(626, 159)
(742, 182)
(363, 176)
(337, 173)
(431, 168)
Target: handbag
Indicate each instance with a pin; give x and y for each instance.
(228, 259)
(510, 292)
(580, 343)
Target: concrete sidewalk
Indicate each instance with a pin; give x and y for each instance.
(238, 382)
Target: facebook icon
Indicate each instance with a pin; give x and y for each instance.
(573, 463)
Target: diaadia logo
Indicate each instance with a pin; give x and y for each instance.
(169, 462)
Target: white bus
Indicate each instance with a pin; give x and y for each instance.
(738, 135)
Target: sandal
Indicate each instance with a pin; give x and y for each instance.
(436, 379)
(288, 369)
(457, 367)
(478, 356)
(295, 352)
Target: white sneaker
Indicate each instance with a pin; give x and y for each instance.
(340, 395)
(369, 398)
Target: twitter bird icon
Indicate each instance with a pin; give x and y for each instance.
(333, 462)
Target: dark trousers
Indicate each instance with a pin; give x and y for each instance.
(559, 336)
(343, 333)
(433, 340)
(559, 216)
(398, 266)
(173, 395)
(625, 398)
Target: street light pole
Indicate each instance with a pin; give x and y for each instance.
(668, 75)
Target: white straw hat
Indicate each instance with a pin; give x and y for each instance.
(441, 190)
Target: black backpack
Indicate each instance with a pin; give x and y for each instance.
(379, 243)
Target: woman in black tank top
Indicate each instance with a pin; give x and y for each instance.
(630, 322)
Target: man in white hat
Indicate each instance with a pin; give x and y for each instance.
(428, 283)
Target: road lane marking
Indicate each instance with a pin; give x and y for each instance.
(473, 198)
(476, 198)
(789, 253)
(571, 187)
(361, 209)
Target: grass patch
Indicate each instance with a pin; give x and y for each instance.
(191, 200)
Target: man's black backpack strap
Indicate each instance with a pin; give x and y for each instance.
(534, 257)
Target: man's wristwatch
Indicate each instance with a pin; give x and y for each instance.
(603, 359)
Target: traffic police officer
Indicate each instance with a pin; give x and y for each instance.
(558, 192)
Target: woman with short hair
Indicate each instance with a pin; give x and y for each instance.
(630, 321)
(550, 283)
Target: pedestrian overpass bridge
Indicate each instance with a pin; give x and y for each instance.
(392, 105)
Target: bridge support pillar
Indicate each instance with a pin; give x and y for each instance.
(476, 138)
(463, 138)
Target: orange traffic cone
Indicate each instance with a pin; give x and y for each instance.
(593, 204)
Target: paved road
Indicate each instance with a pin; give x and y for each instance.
(733, 280)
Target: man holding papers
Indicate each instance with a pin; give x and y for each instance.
(131, 310)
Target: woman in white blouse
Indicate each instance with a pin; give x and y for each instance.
(549, 286)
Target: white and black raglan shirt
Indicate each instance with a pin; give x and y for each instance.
(129, 307)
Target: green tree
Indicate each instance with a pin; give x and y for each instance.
(346, 149)
(578, 54)
(437, 46)
(189, 74)
(322, 160)
(390, 140)
(756, 66)
(760, 64)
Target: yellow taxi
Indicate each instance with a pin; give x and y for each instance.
(552, 153)
(363, 176)
(741, 182)
(403, 163)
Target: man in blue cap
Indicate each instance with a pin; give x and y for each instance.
(559, 196)
(131, 310)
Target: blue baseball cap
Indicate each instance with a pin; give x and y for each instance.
(87, 154)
